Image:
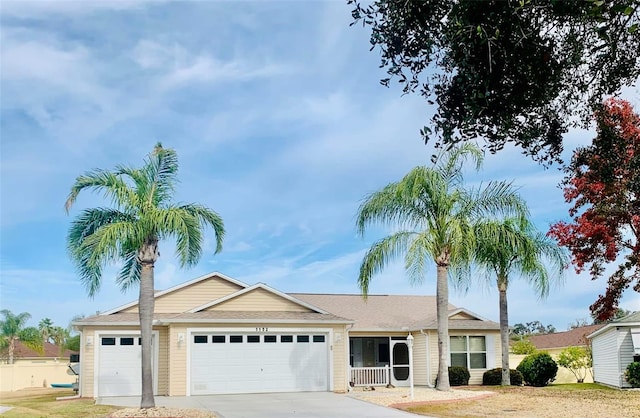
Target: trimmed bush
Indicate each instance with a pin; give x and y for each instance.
(632, 374)
(538, 369)
(493, 377)
(458, 376)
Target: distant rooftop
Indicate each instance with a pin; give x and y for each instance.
(574, 337)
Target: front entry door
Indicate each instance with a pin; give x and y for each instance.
(399, 363)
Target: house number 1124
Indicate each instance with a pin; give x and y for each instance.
(262, 329)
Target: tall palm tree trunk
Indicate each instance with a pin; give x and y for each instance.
(147, 257)
(504, 331)
(442, 306)
(12, 348)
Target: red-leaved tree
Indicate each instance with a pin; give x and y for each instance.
(603, 184)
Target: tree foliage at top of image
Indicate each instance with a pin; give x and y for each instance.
(603, 184)
(515, 71)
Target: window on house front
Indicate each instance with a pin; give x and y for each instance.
(468, 351)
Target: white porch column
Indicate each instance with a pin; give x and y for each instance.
(410, 345)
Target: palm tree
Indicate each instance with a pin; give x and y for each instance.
(433, 214)
(12, 329)
(46, 327)
(515, 246)
(130, 232)
(60, 336)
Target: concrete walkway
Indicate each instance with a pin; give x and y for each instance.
(271, 405)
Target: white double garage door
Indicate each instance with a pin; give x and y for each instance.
(223, 362)
(246, 362)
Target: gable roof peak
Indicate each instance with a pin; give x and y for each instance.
(178, 287)
(252, 288)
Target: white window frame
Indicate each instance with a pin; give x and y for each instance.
(468, 351)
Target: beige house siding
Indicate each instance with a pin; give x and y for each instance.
(420, 359)
(476, 374)
(189, 297)
(87, 356)
(178, 365)
(259, 300)
(163, 361)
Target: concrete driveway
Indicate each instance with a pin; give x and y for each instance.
(271, 405)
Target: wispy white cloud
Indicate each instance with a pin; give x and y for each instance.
(178, 66)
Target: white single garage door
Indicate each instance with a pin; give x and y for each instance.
(252, 363)
(119, 369)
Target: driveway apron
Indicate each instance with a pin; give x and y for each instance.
(272, 405)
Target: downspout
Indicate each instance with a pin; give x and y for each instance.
(428, 358)
(347, 357)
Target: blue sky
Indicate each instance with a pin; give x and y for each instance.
(280, 126)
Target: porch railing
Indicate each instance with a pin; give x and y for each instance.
(370, 376)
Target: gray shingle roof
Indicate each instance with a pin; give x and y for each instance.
(389, 312)
(574, 337)
(216, 316)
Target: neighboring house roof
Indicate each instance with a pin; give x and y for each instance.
(49, 351)
(573, 337)
(632, 320)
(393, 312)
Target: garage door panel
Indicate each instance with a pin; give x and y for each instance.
(119, 366)
(259, 367)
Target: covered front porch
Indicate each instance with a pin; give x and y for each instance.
(380, 361)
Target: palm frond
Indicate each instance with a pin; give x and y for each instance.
(161, 170)
(129, 275)
(512, 245)
(496, 199)
(450, 162)
(380, 254)
(405, 204)
(94, 239)
(109, 183)
(416, 258)
(208, 217)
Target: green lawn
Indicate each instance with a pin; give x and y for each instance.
(29, 405)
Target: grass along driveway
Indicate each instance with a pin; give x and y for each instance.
(41, 402)
(578, 400)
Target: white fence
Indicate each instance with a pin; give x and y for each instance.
(370, 376)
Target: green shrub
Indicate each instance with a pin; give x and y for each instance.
(494, 377)
(458, 376)
(632, 374)
(538, 369)
(523, 347)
